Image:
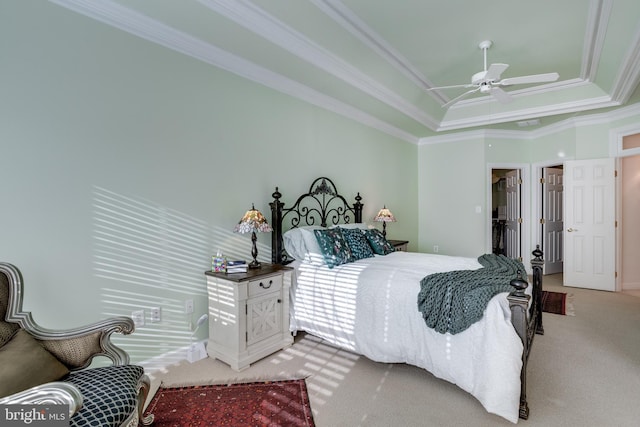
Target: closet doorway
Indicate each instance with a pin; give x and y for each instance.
(507, 210)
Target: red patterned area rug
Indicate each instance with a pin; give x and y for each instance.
(557, 303)
(257, 404)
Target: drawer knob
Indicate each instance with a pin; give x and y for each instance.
(263, 286)
(279, 301)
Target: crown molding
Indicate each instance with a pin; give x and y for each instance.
(254, 19)
(629, 74)
(528, 113)
(597, 20)
(348, 20)
(139, 25)
(571, 123)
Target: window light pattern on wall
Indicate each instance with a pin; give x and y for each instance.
(147, 255)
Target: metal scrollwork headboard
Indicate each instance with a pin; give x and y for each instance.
(322, 206)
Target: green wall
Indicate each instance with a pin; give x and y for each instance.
(452, 175)
(127, 165)
(451, 187)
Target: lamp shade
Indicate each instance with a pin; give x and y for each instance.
(253, 221)
(385, 215)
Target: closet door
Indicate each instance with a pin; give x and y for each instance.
(552, 226)
(513, 226)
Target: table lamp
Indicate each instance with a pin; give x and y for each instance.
(253, 221)
(384, 216)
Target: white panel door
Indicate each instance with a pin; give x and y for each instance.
(552, 226)
(513, 224)
(589, 249)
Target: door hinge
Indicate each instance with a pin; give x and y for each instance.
(541, 180)
(542, 221)
(519, 220)
(519, 181)
(246, 309)
(616, 275)
(615, 173)
(616, 224)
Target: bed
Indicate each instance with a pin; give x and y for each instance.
(370, 304)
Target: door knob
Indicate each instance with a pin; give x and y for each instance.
(571, 229)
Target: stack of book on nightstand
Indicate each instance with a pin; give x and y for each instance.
(236, 267)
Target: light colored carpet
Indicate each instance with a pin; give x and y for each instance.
(585, 371)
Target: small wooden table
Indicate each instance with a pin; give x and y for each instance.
(248, 314)
(399, 245)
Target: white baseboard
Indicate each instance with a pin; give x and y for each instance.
(631, 286)
(161, 362)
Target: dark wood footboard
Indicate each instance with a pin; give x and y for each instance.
(527, 319)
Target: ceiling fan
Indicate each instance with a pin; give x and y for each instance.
(488, 81)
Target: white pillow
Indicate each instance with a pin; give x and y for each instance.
(313, 251)
(294, 242)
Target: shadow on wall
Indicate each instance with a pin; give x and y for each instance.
(150, 256)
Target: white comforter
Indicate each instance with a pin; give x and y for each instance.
(370, 307)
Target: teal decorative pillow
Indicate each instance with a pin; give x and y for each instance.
(333, 246)
(378, 243)
(357, 242)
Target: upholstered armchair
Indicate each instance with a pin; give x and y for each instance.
(42, 366)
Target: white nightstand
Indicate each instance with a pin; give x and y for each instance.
(248, 314)
(399, 245)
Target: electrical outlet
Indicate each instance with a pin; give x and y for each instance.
(138, 317)
(436, 248)
(156, 314)
(188, 306)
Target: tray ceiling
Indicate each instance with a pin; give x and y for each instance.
(374, 60)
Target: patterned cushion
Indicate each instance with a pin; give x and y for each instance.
(357, 242)
(378, 242)
(109, 394)
(333, 246)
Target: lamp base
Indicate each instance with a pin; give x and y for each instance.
(254, 252)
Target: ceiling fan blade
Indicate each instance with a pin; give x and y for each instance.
(534, 78)
(499, 94)
(494, 71)
(458, 98)
(451, 87)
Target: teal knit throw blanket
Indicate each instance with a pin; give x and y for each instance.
(454, 300)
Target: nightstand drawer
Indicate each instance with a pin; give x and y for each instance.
(265, 285)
